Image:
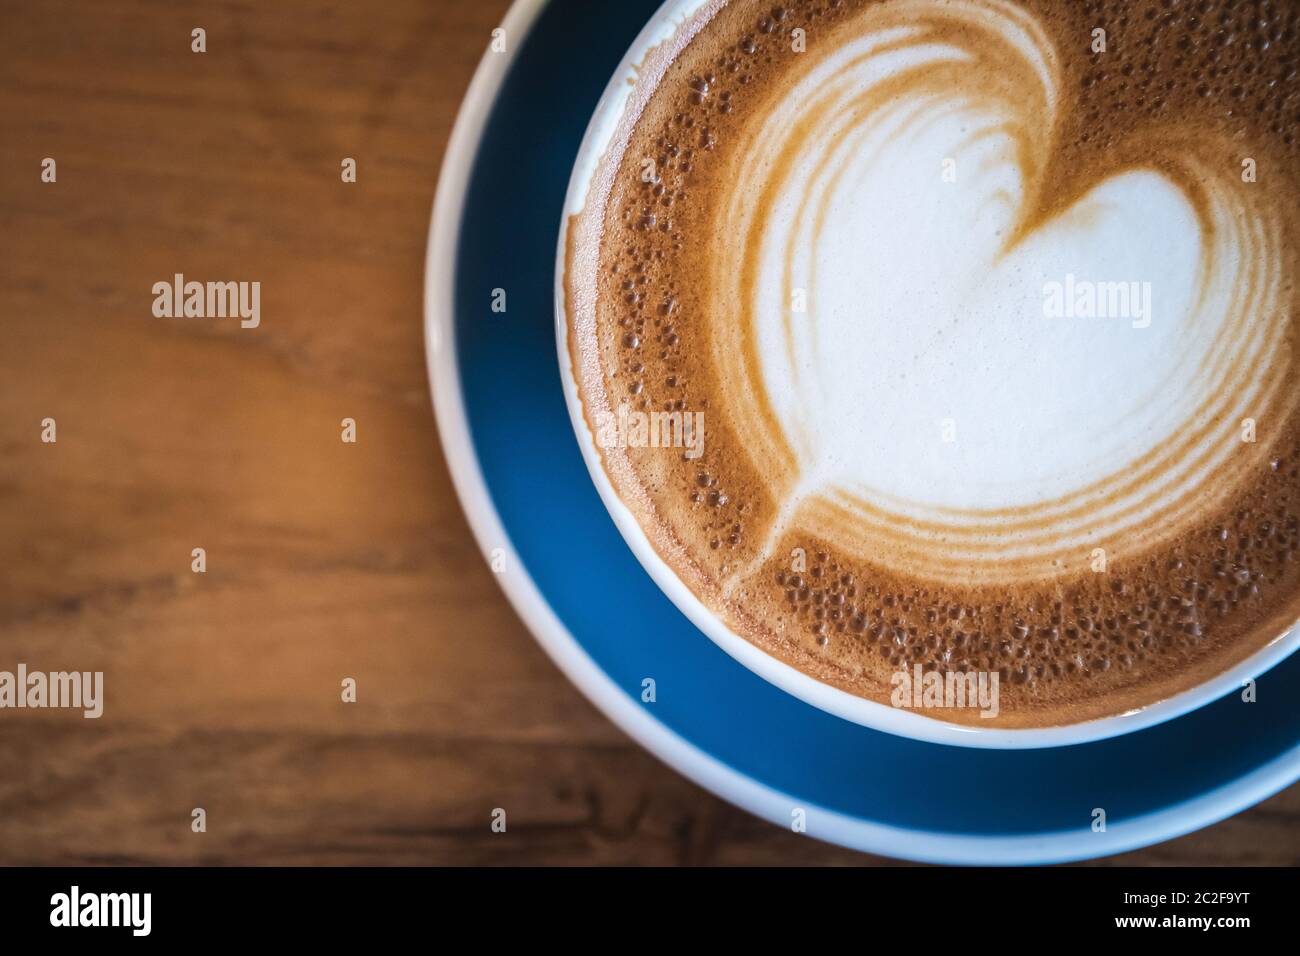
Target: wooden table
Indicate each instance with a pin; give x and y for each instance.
(325, 560)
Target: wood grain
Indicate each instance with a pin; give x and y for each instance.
(325, 560)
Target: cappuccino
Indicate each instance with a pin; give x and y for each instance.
(990, 308)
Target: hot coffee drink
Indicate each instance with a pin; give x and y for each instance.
(960, 334)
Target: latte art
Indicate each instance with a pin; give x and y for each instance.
(919, 304)
(994, 330)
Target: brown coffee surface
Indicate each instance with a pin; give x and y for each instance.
(852, 593)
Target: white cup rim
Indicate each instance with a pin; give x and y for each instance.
(869, 713)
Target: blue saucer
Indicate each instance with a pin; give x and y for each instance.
(525, 487)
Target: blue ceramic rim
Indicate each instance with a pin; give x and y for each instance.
(614, 701)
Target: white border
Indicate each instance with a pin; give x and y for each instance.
(619, 706)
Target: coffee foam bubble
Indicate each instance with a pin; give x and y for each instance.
(923, 315)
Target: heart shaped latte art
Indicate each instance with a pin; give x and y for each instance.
(952, 353)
